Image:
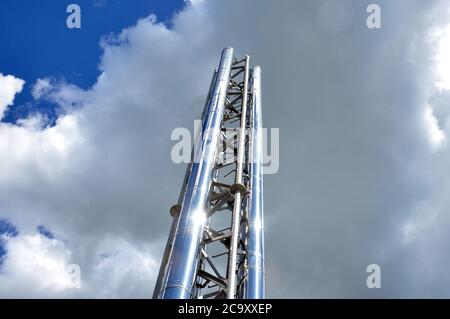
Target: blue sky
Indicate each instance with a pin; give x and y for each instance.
(35, 41)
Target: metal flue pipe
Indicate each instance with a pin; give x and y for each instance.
(175, 209)
(255, 281)
(183, 261)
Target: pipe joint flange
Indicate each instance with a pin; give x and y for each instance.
(175, 210)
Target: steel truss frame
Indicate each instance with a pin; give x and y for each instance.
(228, 194)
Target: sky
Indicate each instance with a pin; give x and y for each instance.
(86, 176)
(37, 43)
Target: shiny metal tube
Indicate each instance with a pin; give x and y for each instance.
(236, 218)
(175, 210)
(183, 261)
(255, 281)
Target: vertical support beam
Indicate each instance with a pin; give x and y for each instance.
(255, 282)
(239, 190)
(183, 261)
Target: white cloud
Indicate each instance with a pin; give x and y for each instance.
(41, 87)
(35, 265)
(443, 60)
(32, 152)
(122, 269)
(67, 96)
(9, 87)
(436, 135)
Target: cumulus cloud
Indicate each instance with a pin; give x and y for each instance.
(41, 87)
(9, 87)
(363, 155)
(35, 261)
(43, 267)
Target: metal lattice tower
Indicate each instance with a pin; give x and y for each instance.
(215, 247)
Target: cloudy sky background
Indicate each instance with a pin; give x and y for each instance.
(364, 157)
